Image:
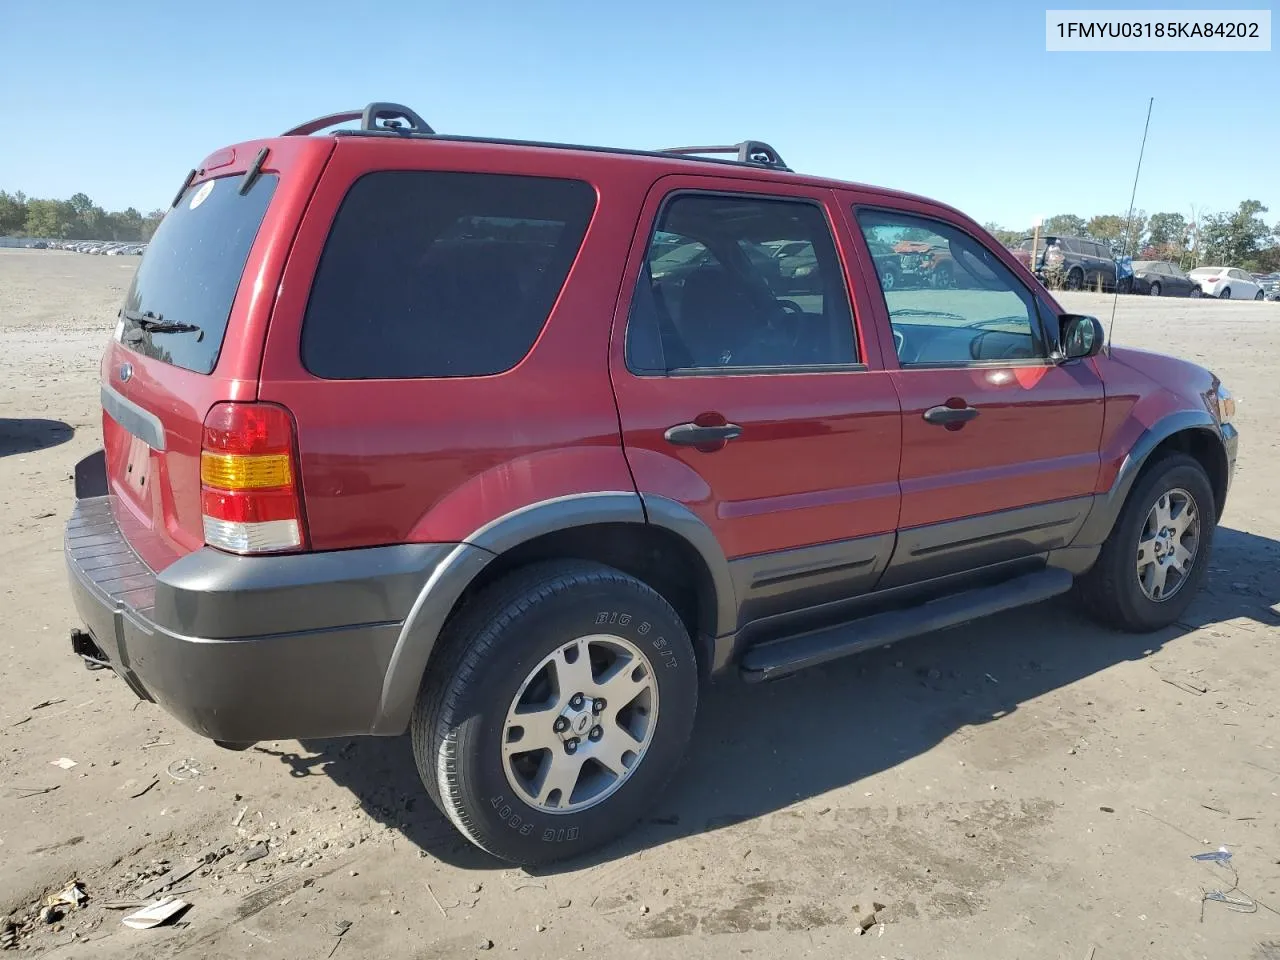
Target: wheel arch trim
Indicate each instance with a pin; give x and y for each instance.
(450, 579)
(1107, 506)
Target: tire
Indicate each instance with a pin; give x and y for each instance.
(1225, 294)
(888, 279)
(1155, 289)
(1111, 591)
(1258, 296)
(1075, 278)
(1196, 293)
(492, 661)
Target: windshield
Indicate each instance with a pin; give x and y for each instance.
(177, 307)
(1206, 271)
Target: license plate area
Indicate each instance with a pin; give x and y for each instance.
(137, 469)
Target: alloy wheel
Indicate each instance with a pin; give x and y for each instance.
(1168, 545)
(580, 724)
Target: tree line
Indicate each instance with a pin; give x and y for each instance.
(1236, 238)
(78, 218)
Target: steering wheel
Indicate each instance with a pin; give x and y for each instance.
(790, 306)
(899, 341)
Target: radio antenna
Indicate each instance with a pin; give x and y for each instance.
(1128, 223)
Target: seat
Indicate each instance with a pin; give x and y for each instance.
(717, 319)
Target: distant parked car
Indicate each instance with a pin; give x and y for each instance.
(1270, 283)
(1082, 263)
(1160, 278)
(1227, 283)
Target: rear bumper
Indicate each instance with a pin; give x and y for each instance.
(247, 648)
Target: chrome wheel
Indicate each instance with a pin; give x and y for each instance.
(580, 724)
(1167, 545)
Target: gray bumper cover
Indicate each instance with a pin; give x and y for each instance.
(252, 648)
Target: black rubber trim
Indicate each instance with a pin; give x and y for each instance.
(935, 550)
(783, 657)
(91, 476)
(777, 583)
(143, 424)
(1107, 506)
(215, 595)
(575, 510)
(718, 601)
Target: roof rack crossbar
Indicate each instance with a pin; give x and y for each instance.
(375, 117)
(748, 151)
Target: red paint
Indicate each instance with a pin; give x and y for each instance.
(166, 523)
(822, 456)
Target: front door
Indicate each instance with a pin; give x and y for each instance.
(1000, 445)
(748, 392)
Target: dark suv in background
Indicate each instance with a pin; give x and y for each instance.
(1081, 263)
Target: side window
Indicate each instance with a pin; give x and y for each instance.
(433, 274)
(732, 282)
(952, 301)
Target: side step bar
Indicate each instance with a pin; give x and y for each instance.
(779, 658)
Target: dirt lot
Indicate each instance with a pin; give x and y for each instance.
(1030, 786)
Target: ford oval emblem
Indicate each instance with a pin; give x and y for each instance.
(126, 372)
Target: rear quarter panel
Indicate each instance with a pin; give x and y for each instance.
(389, 461)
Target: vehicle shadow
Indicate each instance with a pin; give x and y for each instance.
(757, 750)
(29, 435)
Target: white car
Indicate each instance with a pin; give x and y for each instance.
(1227, 283)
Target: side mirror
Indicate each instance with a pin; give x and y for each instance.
(1080, 336)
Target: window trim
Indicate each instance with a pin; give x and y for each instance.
(1049, 338)
(857, 365)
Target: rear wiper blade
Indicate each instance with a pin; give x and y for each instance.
(155, 323)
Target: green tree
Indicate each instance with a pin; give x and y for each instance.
(1006, 237)
(1109, 228)
(53, 219)
(1235, 239)
(13, 213)
(150, 222)
(1166, 228)
(1065, 225)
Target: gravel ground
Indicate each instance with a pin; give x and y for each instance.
(1028, 786)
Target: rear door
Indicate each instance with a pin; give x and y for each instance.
(999, 443)
(759, 403)
(190, 334)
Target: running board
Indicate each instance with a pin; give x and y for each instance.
(778, 658)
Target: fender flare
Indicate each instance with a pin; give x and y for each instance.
(1107, 506)
(449, 579)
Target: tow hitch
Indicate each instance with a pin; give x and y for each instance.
(83, 646)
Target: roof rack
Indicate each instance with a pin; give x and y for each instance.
(375, 118)
(397, 120)
(748, 151)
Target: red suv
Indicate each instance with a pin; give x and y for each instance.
(512, 445)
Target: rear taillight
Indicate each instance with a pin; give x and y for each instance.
(249, 486)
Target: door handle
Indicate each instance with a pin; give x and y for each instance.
(696, 435)
(945, 416)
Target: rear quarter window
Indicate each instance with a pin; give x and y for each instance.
(440, 274)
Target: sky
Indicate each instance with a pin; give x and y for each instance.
(957, 101)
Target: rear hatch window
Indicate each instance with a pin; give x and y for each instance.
(177, 307)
